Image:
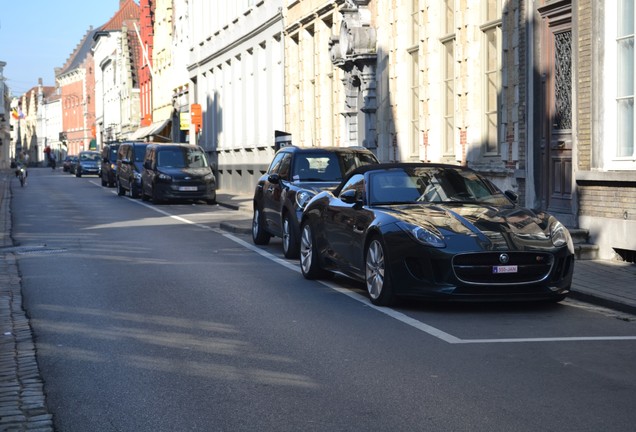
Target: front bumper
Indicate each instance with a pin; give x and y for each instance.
(420, 271)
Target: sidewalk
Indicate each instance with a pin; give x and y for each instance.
(22, 402)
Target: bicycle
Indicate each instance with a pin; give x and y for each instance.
(22, 175)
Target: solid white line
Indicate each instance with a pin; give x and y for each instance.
(399, 316)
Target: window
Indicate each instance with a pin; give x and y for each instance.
(415, 78)
(448, 101)
(356, 183)
(625, 82)
(617, 107)
(491, 34)
(415, 102)
(448, 78)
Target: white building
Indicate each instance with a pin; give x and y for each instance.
(236, 66)
(117, 109)
(49, 120)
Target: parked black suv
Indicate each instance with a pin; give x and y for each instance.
(177, 171)
(295, 175)
(109, 164)
(130, 161)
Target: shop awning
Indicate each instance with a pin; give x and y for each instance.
(154, 130)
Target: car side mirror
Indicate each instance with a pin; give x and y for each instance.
(350, 197)
(512, 196)
(273, 178)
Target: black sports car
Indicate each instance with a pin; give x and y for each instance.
(434, 231)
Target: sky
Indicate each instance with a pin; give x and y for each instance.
(36, 36)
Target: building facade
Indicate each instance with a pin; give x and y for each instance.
(236, 68)
(5, 121)
(76, 80)
(49, 121)
(605, 158)
(116, 54)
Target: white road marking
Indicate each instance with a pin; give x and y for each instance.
(399, 316)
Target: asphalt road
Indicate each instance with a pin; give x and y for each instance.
(149, 318)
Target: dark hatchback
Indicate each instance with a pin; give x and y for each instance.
(294, 176)
(68, 163)
(435, 231)
(177, 172)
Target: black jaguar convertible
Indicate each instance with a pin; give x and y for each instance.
(434, 231)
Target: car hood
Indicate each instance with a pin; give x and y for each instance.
(182, 173)
(493, 227)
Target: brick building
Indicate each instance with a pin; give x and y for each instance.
(76, 80)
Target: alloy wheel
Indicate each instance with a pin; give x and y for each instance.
(286, 234)
(255, 221)
(375, 268)
(306, 252)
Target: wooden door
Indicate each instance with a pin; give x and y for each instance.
(558, 113)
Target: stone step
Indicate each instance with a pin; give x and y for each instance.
(586, 251)
(583, 249)
(579, 235)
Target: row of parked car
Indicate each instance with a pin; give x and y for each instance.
(409, 229)
(157, 172)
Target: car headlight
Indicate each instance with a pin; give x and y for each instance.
(426, 236)
(208, 177)
(164, 177)
(560, 235)
(303, 197)
(137, 176)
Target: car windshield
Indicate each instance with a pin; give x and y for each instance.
(181, 158)
(89, 157)
(328, 167)
(140, 153)
(318, 167)
(432, 185)
(113, 153)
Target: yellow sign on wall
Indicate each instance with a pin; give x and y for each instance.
(184, 121)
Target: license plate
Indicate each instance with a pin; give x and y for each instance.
(187, 188)
(505, 269)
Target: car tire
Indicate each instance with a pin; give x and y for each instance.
(155, 197)
(377, 278)
(134, 191)
(120, 189)
(291, 247)
(144, 197)
(259, 235)
(78, 173)
(309, 262)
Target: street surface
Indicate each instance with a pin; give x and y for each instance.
(150, 318)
